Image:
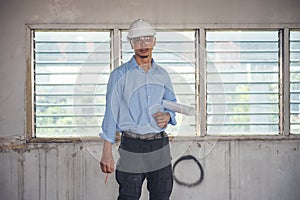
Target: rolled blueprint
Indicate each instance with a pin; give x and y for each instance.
(176, 107)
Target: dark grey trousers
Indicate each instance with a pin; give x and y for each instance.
(159, 180)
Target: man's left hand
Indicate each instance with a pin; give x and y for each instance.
(162, 119)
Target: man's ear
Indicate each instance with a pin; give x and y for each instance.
(131, 44)
(154, 42)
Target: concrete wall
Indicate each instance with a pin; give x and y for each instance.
(234, 169)
(267, 170)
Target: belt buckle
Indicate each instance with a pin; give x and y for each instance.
(154, 136)
(147, 136)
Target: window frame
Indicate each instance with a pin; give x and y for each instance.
(284, 81)
(164, 30)
(289, 76)
(200, 70)
(278, 80)
(29, 91)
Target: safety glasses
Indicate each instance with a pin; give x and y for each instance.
(143, 40)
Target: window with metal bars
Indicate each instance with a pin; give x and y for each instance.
(242, 73)
(175, 51)
(71, 69)
(295, 82)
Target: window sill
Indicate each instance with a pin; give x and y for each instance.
(235, 138)
(173, 138)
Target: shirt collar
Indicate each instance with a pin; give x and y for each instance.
(133, 64)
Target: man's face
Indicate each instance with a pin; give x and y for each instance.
(143, 46)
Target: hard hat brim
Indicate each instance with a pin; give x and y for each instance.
(140, 28)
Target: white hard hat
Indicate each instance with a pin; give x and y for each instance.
(140, 28)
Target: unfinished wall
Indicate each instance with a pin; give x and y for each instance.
(245, 169)
(267, 170)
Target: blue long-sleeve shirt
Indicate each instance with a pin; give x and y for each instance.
(133, 96)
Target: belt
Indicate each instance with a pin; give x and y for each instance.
(147, 136)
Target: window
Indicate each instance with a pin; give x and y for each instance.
(295, 82)
(235, 79)
(175, 51)
(71, 69)
(242, 71)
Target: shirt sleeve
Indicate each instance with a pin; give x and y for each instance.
(170, 96)
(109, 124)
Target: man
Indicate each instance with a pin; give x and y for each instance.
(134, 107)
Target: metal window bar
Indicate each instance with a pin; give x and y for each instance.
(294, 81)
(242, 70)
(71, 69)
(176, 52)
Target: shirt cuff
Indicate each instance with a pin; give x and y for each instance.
(105, 137)
(172, 117)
